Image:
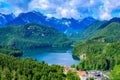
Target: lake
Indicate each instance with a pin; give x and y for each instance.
(51, 56)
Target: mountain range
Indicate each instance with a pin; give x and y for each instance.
(65, 25)
(87, 28)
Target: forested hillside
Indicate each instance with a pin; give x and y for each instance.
(27, 69)
(33, 36)
(110, 33)
(98, 55)
(8, 50)
(12, 68)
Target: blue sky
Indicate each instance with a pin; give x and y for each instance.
(78, 9)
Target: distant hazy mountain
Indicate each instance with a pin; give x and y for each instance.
(65, 25)
(89, 31)
(30, 17)
(78, 26)
(33, 36)
(109, 22)
(86, 22)
(6, 18)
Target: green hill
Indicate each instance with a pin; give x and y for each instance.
(91, 30)
(33, 36)
(110, 33)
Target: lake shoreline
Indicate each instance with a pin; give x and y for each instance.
(52, 56)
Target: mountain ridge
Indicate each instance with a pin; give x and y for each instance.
(4, 19)
(115, 19)
(65, 25)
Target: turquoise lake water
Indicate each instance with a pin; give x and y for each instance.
(51, 56)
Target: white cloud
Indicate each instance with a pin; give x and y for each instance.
(42, 4)
(119, 15)
(107, 8)
(18, 11)
(4, 10)
(105, 16)
(101, 9)
(92, 2)
(66, 9)
(49, 15)
(67, 12)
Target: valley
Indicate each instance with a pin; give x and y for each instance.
(45, 45)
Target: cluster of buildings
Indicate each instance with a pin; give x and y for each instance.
(86, 75)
